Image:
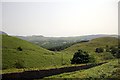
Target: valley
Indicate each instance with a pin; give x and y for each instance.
(20, 55)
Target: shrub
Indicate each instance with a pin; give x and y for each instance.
(19, 49)
(99, 50)
(80, 57)
(115, 51)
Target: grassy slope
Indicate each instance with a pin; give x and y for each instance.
(107, 70)
(92, 45)
(31, 55)
(34, 56)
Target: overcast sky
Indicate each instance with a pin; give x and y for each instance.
(60, 17)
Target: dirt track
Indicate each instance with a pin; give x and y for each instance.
(39, 74)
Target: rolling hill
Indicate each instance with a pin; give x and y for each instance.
(1, 32)
(94, 43)
(17, 53)
(56, 42)
(91, 46)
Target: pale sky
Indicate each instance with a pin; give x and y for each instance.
(60, 17)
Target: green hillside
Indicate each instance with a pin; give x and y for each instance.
(91, 46)
(31, 55)
(108, 70)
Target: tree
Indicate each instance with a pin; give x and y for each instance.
(80, 57)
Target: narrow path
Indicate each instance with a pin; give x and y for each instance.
(39, 74)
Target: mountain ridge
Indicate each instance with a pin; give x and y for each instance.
(56, 42)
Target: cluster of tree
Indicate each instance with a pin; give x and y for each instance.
(66, 45)
(114, 50)
(54, 45)
(83, 57)
(80, 57)
(62, 47)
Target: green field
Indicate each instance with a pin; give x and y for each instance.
(33, 57)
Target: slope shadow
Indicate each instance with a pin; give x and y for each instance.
(39, 74)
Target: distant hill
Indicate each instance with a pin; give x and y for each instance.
(1, 32)
(56, 42)
(74, 38)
